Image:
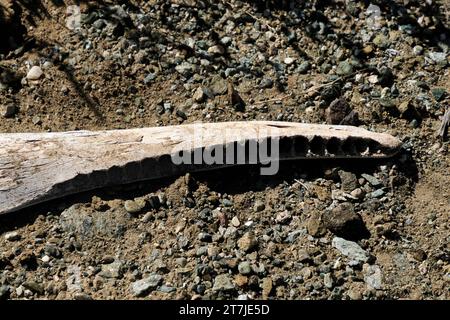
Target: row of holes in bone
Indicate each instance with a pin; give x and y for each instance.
(328, 146)
(302, 146)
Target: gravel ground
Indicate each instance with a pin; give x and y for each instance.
(316, 230)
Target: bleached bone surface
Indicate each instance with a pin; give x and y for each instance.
(36, 167)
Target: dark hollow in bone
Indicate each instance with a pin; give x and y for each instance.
(301, 146)
(287, 146)
(333, 146)
(348, 147)
(374, 147)
(361, 145)
(317, 145)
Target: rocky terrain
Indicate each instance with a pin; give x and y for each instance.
(317, 230)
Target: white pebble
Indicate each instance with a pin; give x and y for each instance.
(289, 60)
(359, 77)
(248, 223)
(235, 222)
(35, 73)
(373, 79)
(418, 50)
(12, 236)
(47, 64)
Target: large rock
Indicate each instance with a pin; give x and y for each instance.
(218, 85)
(348, 180)
(315, 225)
(134, 206)
(344, 222)
(338, 110)
(87, 223)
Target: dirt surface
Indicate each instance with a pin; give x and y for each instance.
(233, 233)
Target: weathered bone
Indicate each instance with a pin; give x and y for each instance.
(36, 167)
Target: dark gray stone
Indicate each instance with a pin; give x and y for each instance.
(343, 221)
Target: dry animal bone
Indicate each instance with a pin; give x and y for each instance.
(36, 167)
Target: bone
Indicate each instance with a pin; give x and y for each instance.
(37, 167)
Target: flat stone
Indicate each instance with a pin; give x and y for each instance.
(377, 193)
(186, 69)
(85, 222)
(438, 93)
(373, 79)
(371, 179)
(227, 203)
(134, 206)
(81, 296)
(373, 276)
(292, 236)
(283, 217)
(166, 289)
(367, 49)
(350, 249)
(12, 236)
(337, 111)
(266, 83)
(240, 280)
(112, 270)
(438, 57)
(144, 286)
(34, 287)
(222, 282)
(149, 78)
(216, 49)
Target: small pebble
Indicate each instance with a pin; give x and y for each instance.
(12, 236)
(34, 73)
